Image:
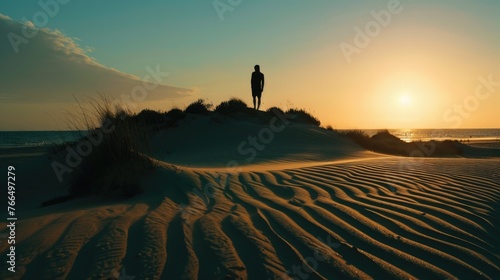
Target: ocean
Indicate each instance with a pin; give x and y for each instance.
(17, 139)
(410, 135)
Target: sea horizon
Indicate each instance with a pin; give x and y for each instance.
(37, 138)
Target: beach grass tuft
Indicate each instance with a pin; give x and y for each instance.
(200, 107)
(115, 162)
(231, 106)
(303, 116)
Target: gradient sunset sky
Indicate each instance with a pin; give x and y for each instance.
(433, 64)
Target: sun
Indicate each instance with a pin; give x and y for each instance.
(404, 99)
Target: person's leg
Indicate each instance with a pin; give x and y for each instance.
(253, 102)
(258, 106)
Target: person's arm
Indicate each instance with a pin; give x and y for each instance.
(262, 82)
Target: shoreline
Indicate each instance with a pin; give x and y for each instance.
(495, 144)
(17, 155)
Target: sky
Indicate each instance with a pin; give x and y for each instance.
(353, 64)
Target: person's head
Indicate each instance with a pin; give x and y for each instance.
(257, 68)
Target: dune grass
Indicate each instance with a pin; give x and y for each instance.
(113, 165)
(231, 106)
(357, 136)
(236, 107)
(275, 109)
(110, 154)
(299, 115)
(303, 116)
(199, 107)
(174, 115)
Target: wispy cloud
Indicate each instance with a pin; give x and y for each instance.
(52, 67)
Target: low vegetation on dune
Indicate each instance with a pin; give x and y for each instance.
(116, 160)
(275, 109)
(113, 164)
(155, 120)
(385, 142)
(199, 107)
(108, 159)
(233, 105)
(302, 116)
(236, 107)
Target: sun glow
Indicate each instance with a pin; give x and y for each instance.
(405, 99)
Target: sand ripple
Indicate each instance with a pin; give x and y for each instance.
(391, 218)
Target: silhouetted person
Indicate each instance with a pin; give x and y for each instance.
(257, 85)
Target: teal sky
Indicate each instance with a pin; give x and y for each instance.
(295, 42)
(188, 36)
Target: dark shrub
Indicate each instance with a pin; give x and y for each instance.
(113, 164)
(441, 148)
(385, 142)
(358, 136)
(149, 117)
(200, 107)
(303, 116)
(174, 115)
(275, 109)
(385, 135)
(231, 106)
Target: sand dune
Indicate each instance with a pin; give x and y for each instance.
(338, 214)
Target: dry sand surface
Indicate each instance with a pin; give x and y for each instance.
(309, 206)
